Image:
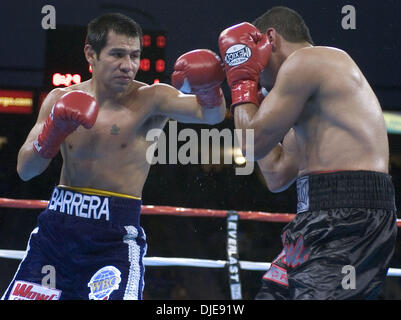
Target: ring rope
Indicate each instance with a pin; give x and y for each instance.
(187, 262)
(233, 263)
(169, 210)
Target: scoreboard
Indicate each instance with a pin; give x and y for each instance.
(153, 64)
(65, 63)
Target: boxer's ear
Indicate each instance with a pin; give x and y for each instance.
(272, 36)
(90, 54)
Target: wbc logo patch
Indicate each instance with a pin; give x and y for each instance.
(104, 282)
(237, 54)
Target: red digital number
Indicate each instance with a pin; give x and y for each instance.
(146, 40)
(160, 65)
(144, 64)
(160, 41)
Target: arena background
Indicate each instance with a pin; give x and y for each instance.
(29, 55)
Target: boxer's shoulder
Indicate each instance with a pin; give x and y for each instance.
(158, 92)
(160, 89)
(51, 98)
(300, 61)
(299, 71)
(317, 64)
(145, 94)
(144, 98)
(319, 51)
(320, 58)
(56, 93)
(83, 86)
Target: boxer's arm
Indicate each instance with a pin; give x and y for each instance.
(296, 82)
(186, 108)
(280, 167)
(71, 110)
(29, 162)
(197, 97)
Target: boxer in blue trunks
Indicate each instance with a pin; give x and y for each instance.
(95, 244)
(90, 233)
(322, 126)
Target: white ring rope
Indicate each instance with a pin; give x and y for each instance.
(188, 262)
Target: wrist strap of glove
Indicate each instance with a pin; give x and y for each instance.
(210, 99)
(244, 91)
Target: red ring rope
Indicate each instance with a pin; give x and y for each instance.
(167, 210)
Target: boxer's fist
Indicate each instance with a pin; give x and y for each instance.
(246, 52)
(200, 72)
(73, 109)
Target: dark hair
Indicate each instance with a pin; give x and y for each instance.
(98, 29)
(287, 22)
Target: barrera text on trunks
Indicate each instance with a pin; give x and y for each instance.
(80, 205)
(209, 147)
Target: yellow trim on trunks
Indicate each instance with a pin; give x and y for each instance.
(98, 192)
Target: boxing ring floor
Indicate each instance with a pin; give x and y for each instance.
(232, 263)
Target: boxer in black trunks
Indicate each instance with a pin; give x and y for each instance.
(320, 125)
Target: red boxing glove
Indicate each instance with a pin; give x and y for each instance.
(71, 110)
(246, 52)
(200, 72)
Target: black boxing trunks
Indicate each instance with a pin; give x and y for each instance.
(341, 241)
(91, 243)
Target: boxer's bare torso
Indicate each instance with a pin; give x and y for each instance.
(339, 126)
(112, 154)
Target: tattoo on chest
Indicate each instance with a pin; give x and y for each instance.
(115, 130)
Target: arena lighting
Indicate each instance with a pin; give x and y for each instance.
(239, 159)
(393, 122)
(16, 101)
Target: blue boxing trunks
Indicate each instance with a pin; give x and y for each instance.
(340, 243)
(88, 245)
